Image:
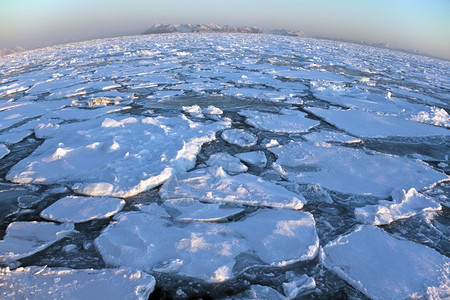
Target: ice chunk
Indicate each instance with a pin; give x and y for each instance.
(153, 209)
(436, 116)
(214, 185)
(404, 204)
(62, 283)
(202, 250)
(330, 136)
(3, 151)
(192, 210)
(23, 239)
(212, 110)
(260, 292)
(239, 137)
(255, 158)
(383, 267)
(229, 163)
(106, 160)
(289, 121)
(376, 125)
(77, 209)
(282, 237)
(352, 171)
(299, 287)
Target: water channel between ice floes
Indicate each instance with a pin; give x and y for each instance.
(224, 166)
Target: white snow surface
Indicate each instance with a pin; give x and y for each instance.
(404, 204)
(230, 164)
(239, 137)
(214, 185)
(114, 156)
(352, 171)
(62, 283)
(287, 121)
(23, 239)
(206, 250)
(375, 125)
(384, 267)
(77, 209)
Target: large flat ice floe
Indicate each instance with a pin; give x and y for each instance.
(383, 267)
(287, 121)
(352, 171)
(76, 209)
(207, 251)
(214, 185)
(374, 125)
(23, 239)
(115, 156)
(61, 283)
(404, 204)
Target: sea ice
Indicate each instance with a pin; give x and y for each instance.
(104, 159)
(153, 209)
(191, 210)
(352, 171)
(77, 209)
(255, 158)
(23, 239)
(61, 283)
(383, 267)
(299, 287)
(376, 125)
(239, 137)
(330, 136)
(3, 151)
(214, 185)
(404, 204)
(229, 163)
(288, 121)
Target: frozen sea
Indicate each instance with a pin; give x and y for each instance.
(227, 166)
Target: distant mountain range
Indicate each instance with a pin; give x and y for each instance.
(210, 28)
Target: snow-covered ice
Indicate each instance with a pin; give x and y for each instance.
(214, 185)
(62, 283)
(230, 164)
(23, 239)
(404, 204)
(104, 159)
(255, 158)
(352, 171)
(299, 286)
(77, 209)
(239, 137)
(384, 267)
(287, 121)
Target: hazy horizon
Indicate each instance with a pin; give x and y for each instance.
(411, 25)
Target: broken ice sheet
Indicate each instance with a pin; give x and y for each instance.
(384, 267)
(214, 185)
(77, 209)
(23, 239)
(104, 159)
(3, 151)
(239, 137)
(255, 158)
(352, 171)
(376, 125)
(230, 164)
(404, 204)
(288, 121)
(191, 210)
(62, 283)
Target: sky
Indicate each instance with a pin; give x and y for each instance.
(422, 25)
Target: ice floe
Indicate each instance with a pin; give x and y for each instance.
(376, 125)
(62, 283)
(23, 239)
(352, 171)
(299, 286)
(229, 163)
(288, 121)
(404, 204)
(3, 151)
(384, 267)
(239, 137)
(104, 159)
(206, 250)
(77, 209)
(214, 185)
(255, 158)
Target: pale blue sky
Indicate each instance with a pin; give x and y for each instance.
(413, 24)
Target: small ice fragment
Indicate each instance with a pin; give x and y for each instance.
(239, 137)
(3, 151)
(229, 163)
(299, 287)
(255, 158)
